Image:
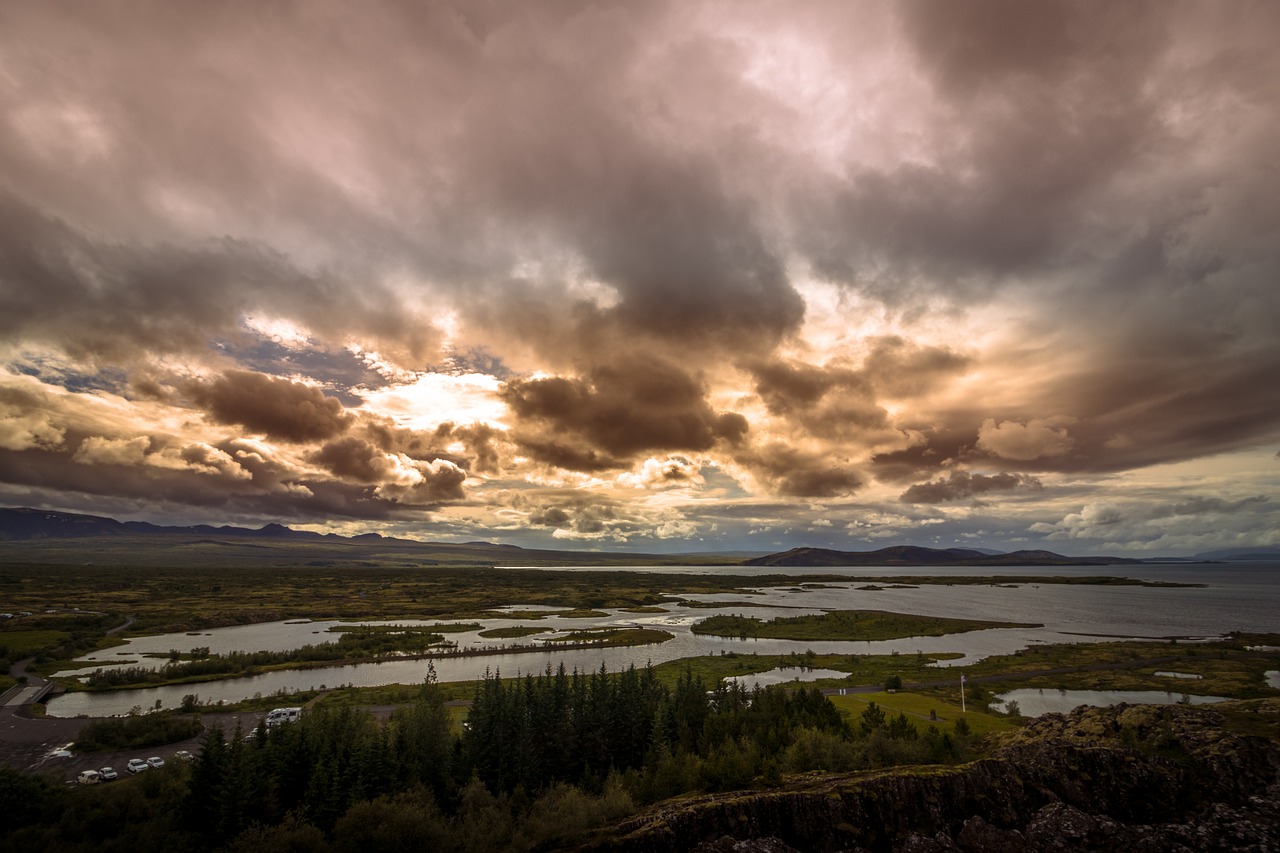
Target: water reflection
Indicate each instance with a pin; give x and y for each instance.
(1032, 702)
(784, 674)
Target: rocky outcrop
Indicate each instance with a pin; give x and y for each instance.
(1140, 778)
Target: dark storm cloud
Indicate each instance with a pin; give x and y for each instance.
(429, 479)
(800, 473)
(615, 413)
(120, 301)
(1045, 105)
(1091, 155)
(898, 368)
(1208, 506)
(786, 388)
(483, 443)
(959, 485)
(453, 152)
(382, 435)
(278, 408)
(841, 402)
(352, 458)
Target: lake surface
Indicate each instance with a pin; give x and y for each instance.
(1235, 598)
(1033, 702)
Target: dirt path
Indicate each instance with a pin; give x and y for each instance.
(117, 629)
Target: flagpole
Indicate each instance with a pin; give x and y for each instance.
(962, 681)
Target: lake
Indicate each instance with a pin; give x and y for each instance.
(1235, 597)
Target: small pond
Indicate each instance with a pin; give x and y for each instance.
(1273, 678)
(783, 674)
(1034, 701)
(1170, 674)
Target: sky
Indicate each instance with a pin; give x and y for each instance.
(660, 276)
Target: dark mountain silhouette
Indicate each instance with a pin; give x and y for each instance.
(21, 523)
(1266, 554)
(912, 555)
(36, 525)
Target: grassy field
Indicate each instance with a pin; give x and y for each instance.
(571, 613)
(1225, 668)
(844, 625)
(918, 706)
(615, 636)
(21, 643)
(167, 598)
(513, 632)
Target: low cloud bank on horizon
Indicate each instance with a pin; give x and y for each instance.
(674, 276)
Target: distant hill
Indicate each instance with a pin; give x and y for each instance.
(910, 555)
(46, 537)
(21, 523)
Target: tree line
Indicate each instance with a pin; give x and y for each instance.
(539, 760)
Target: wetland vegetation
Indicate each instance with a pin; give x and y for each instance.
(845, 625)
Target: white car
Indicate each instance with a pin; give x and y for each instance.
(108, 774)
(137, 765)
(183, 755)
(156, 761)
(89, 777)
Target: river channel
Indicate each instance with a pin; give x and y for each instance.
(1233, 598)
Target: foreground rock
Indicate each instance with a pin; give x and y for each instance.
(1141, 778)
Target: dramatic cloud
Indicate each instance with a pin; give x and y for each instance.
(1032, 440)
(277, 408)
(664, 473)
(959, 485)
(620, 410)
(983, 272)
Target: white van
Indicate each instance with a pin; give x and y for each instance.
(89, 777)
(283, 715)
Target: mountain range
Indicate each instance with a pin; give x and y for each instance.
(46, 536)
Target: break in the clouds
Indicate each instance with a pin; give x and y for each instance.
(672, 275)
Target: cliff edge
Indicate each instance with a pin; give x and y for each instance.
(1133, 778)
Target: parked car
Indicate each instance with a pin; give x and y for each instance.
(183, 755)
(156, 761)
(89, 777)
(137, 765)
(108, 774)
